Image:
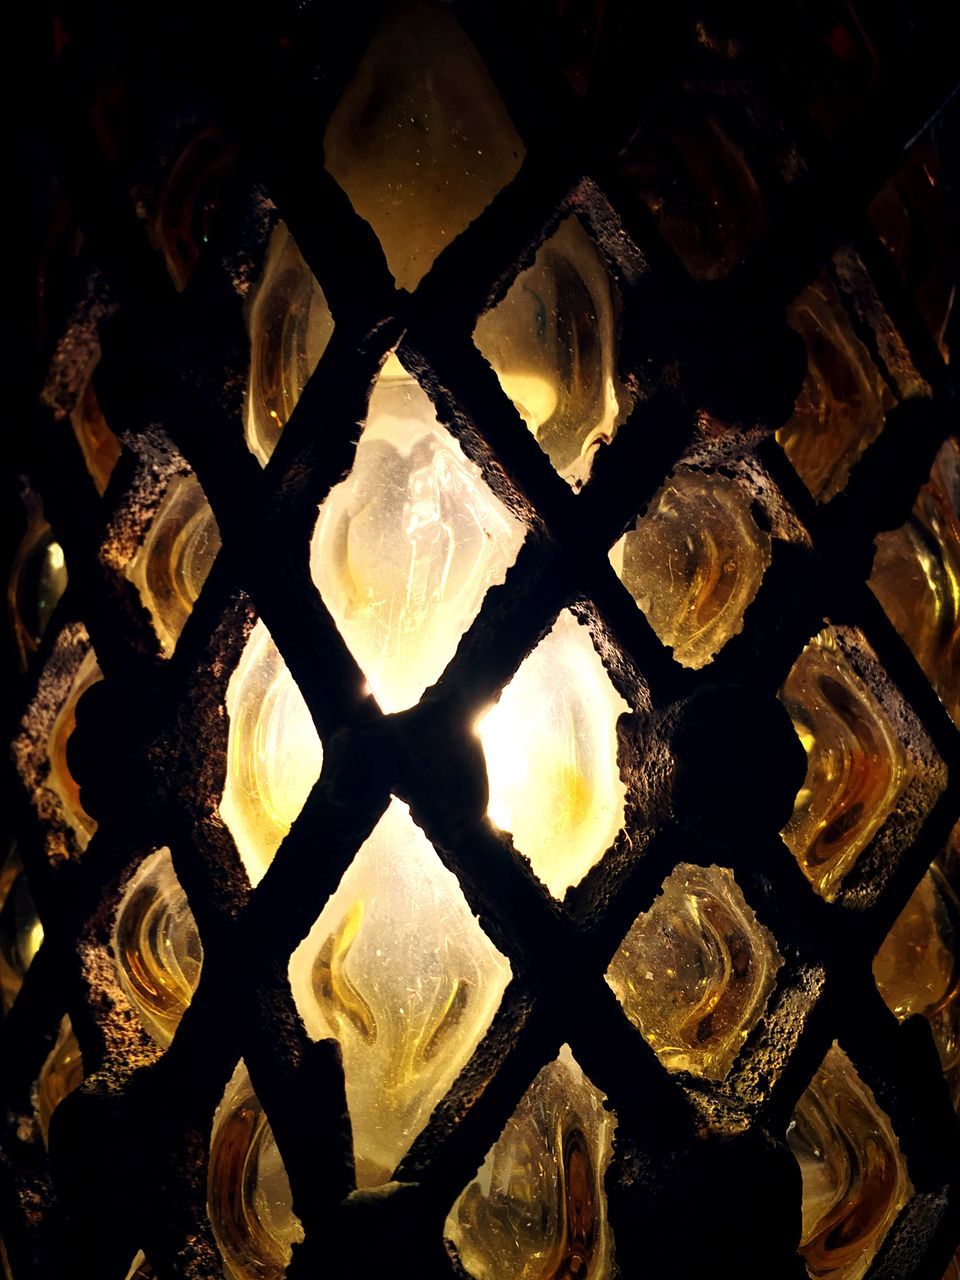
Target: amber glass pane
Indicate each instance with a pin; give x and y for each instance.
(550, 746)
(399, 971)
(249, 1202)
(420, 141)
(916, 577)
(100, 447)
(537, 1209)
(844, 400)
(59, 1075)
(38, 578)
(157, 946)
(60, 780)
(21, 932)
(855, 1179)
(290, 325)
(274, 754)
(552, 342)
(856, 765)
(695, 972)
(408, 545)
(693, 563)
(171, 566)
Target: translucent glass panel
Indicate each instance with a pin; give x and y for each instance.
(855, 1179)
(550, 746)
(60, 780)
(290, 325)
(694, 562)
(844, 400)
(856, 765)
(249, 1201)
(537, 1209)
(38, 578)
(916, 577)
(696, 971)
(407, 546)
(172, 564)
(398, 970)
(420, 141)
(274, 754)
(21, 932)
(60, 1074)
(157, 946)
(100, 447)
(552, 342)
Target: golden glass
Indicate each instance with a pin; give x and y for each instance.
(537, 1209)
(693, 563)
(290, 325)
(916, 577)
(21, 932)
(249, 1201)
(695, 972)
(60, 1074)
(38, 578)
(856, 764)
(140, 1268)
(157, 946)
(60, 780)
(855, 1179)
(552, 341)
(274, 754)
(100, 447)
(171, 566)
(407, 546)
(398, 970)
(550, 747)
(420, 141)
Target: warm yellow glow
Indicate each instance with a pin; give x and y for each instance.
(60, 780)
(60, 1074)
(21, 932)
(274, 754)
(406, 548)
(550, 745)
(55, 557)
(398, 970)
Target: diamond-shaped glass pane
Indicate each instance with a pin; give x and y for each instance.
(552, 342)
(60, 1074)
(537, 1207)
(100, 447)
(21, 932)
(916, 577)
(844, 400)
(406, 548)
(694, 562)
(420, 141)
(550, 745)
(696, 971)
(157, 946)
(398, 970)
(172, 564)
(249, 1201)
(290, 325)
(856, 764)
(855, 1179)
(60, 781)
(274, 754)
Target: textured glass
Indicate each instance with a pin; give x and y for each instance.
(856, 765)
(178, 552)
(157, 946)
(38, 578)
(398, 970)
(854, 1176)
(420, 140)
(695, 972)
(21, 932)
(60, 780)
(552, 342)
(249, 1201)
(290, 325)
(693, 563)
(537, 1209)
(550, 746)
(407, 546)
(100, 447)
(843, 403)
(274, 755)
(916, 577)
(60, 1074)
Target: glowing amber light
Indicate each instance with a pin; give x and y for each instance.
(406, 548)
(60, 780)
(856, 765)
(399, 971)
(696, 971)
(552, 342)
(249, 1201)
(550, 746)
(60, 1074)
(274, 754)
(537, 1209)
(21, 932)
(855, 1179)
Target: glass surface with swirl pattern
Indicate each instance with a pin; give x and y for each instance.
(60, 780)
(398, 970)
(60, 1074)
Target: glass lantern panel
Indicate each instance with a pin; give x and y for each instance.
(60, 1074)
(60, 780)
(21, 932)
